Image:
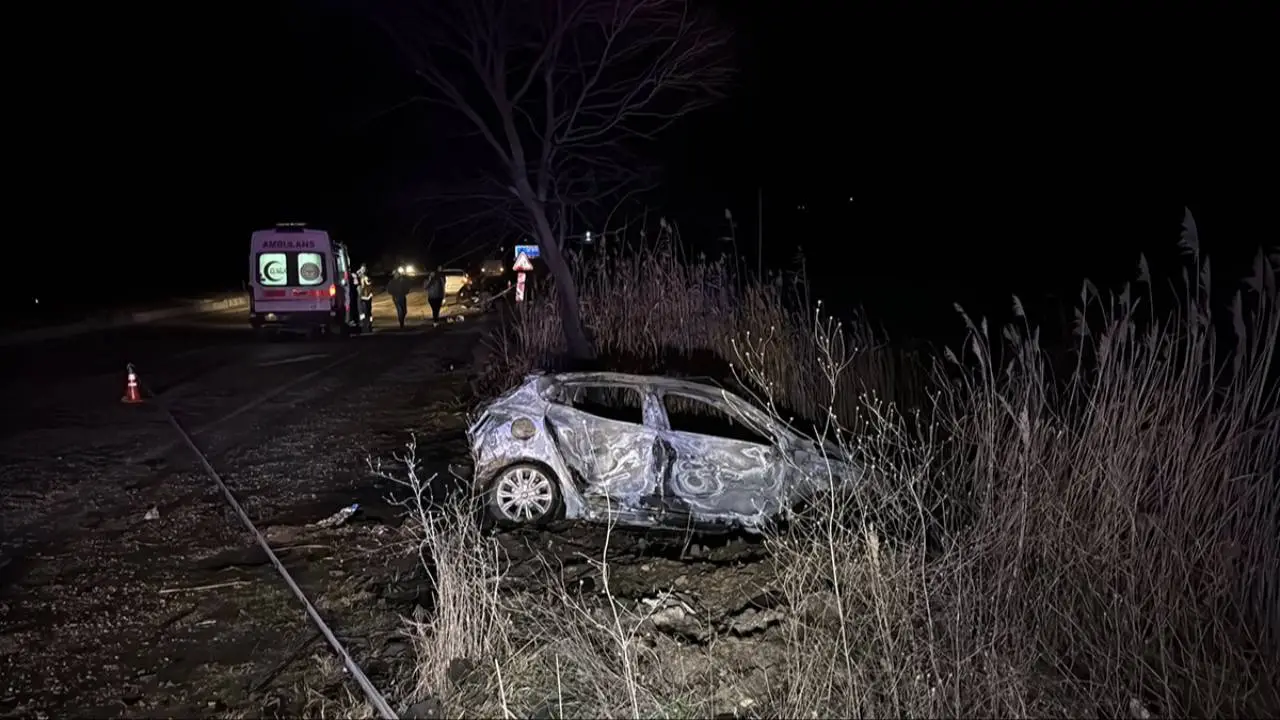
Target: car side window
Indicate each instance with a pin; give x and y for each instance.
(622, 404)
(695, 415)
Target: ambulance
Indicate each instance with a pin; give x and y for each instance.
(300, 281)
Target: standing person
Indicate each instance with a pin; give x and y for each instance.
(435, 293)
(398, 289)
(364, 286)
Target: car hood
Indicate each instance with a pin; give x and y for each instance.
(821, 464)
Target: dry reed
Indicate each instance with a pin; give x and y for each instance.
(1109, 547)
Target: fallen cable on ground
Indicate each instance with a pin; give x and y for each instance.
(374, 696)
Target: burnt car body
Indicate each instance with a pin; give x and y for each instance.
(641, 450)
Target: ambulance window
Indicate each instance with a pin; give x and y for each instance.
(342, 267)
(310, 268)
(273, 269)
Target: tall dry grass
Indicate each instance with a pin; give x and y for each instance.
(466, 619)
(650, 309)
(1116, 551)
(1121, 551)
(481, 652)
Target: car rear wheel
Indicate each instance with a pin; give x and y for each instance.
(524, 494)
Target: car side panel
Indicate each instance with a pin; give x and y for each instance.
(724, 480)
(609, 459)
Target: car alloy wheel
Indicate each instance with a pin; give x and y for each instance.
(524, 494)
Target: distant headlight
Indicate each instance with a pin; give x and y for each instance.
(523, 429)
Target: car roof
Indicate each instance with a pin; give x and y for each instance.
(656, 382)
(660, 383)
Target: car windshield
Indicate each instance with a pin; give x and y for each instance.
(763, 418)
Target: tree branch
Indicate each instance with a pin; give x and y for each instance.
(559, 89)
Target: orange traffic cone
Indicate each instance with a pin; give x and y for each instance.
(131, 394)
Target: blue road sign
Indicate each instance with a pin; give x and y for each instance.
(529, 251)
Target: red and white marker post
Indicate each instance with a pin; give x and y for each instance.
(521, 267)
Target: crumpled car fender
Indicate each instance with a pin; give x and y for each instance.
(495, 447)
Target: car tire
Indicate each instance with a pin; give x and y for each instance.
(522, 495)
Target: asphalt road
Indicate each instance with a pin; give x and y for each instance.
(167, 349)
(65, 421)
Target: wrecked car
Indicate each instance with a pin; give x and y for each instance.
(644, 451)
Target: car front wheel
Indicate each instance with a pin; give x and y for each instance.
(524, 494)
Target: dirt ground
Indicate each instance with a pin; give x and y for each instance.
(115, 611)
(141, 594)
(701, 612)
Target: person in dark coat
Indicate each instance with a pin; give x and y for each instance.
(435, 293)
(398, 289)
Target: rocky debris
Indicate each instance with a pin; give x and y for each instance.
(750, 621)
(570, 556)
(671, 614)
(709, 609)
(683, 615)
(695, 588)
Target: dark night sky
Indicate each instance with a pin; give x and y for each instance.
(984, 151)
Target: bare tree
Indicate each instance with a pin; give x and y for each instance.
(560, 91)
